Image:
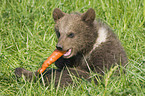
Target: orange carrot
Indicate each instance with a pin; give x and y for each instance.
(52, 58)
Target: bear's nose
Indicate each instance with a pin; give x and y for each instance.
(59, 47)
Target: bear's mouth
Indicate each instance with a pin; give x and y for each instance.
(68, 53)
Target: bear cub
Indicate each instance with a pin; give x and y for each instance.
(90, 44)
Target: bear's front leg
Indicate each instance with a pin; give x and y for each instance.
(69, 62)
(27, 74)
(64, 77)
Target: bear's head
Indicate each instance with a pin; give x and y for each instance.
(75, 32)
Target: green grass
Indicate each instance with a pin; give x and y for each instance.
(27, 38)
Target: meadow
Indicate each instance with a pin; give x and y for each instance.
(27, 38)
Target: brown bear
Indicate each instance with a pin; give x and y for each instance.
(90, 44)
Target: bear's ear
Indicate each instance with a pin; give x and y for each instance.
(57, 14)
(89, 16)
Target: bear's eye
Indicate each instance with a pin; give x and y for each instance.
(57, 34)
(71, 35)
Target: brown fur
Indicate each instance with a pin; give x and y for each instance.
(79, 32)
